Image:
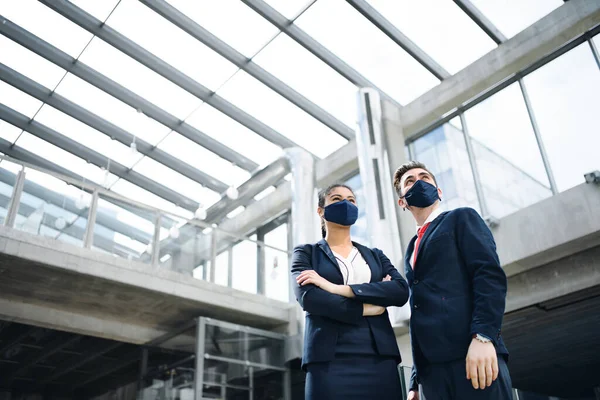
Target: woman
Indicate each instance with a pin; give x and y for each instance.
(350, 349)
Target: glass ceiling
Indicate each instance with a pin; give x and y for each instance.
(231, 142)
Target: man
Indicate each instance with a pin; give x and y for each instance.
(458, 295)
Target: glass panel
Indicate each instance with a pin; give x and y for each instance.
(444, 153)
(364, 47)
(99, 9)
(262, 194)
(567, 114)
(236, 343)
(512, 16)
(234, 135)
(134, 76)
(66, 160)
(310, 76)
(158, 35)
(18, 101)
(359, 231)
(277, 278)
(204, 160)
(244, 266)
(8, 178)
(289, 8)
(222, 268)
(143, 196)
(29, 64)
(122, 232)
(47, 25)
(88, 137)
(177, 182)
(64, 221)
(450, 37)
(9, 132)
(105, 106)
(266, 105)
(231, 21)
(506, 151)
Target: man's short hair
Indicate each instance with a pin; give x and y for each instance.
(403, 169)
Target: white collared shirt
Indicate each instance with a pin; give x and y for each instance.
(354, 268)
(434, 214)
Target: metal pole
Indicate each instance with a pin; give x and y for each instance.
(538, 138)
(143, 372)
(199, 373)
(260, 263)
(516, 394)
(156, 240)
(474, 169)
(595, 51)
(88, 239)
(230, 268)
(213, 255)
(287, 385)
(251, 383)
(15, 200)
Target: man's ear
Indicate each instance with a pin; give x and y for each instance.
(440, 192)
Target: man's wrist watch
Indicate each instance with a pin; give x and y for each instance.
(482, 338)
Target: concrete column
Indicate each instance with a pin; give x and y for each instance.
(380, 147)
(394, 138)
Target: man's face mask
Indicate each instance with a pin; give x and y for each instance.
(421, 194)
(342, 213)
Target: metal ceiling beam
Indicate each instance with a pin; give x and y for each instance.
(19, 153)
(310, 44)
(188, 25)
(52, 348)
(146, 58)
(481, 20)
(70, 365)
(60, 200)
(59, 102)
(93, 77)
(128, 359)
(51, 136)
(399, 38)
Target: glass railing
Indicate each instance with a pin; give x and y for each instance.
(49, 204)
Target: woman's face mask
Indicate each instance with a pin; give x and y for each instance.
(342, 213)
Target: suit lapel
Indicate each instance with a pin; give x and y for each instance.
(369, 258)
(407, 256)
(428, 233)
(324, 246)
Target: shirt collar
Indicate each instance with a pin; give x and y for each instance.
(434, 214)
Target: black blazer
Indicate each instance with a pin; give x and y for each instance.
(328, 313)
(458, 288)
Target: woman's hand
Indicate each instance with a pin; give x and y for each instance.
(311, 277)
(370, 310)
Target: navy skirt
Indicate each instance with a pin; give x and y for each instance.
(353, 376)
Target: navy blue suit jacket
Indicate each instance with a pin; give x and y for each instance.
(458, 289)
(328, 313)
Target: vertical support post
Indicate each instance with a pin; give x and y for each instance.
(199, 372)
(474, 169)
(213, 255)
(251, 383)
(143, 372)
(287, 384)
(290, 246)
(594, 51)
(204, 270)
(260, 263)
(91, 222)
(15, 200)
(538, 138)
(230, 267)
(156, 240)
(223, 386)
(516, 394)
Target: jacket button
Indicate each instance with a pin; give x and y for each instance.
(416, 281)
(359, 291)
(416, 306)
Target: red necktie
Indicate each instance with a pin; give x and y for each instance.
(420, 234)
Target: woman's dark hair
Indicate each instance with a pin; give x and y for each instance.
(323, 195)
